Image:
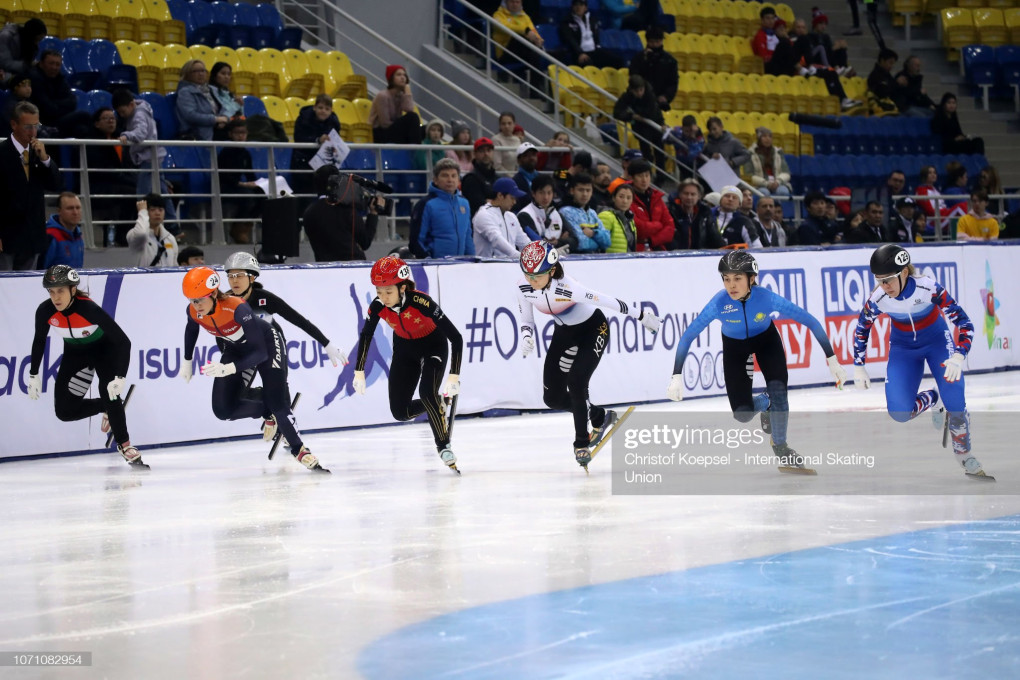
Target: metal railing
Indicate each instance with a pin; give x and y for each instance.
(554, 84)
(211, 222)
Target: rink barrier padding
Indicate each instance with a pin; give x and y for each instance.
(479, 297)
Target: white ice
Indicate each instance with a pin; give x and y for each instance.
(218, 563)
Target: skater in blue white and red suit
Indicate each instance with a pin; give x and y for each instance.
(919, 335)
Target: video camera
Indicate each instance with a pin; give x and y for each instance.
(351, 189)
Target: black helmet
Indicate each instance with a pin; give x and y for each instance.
(889, 259)
(60, 275)
(739, 262)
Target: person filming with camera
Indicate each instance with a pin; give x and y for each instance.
(342, 223)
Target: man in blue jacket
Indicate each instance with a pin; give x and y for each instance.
(66, 245)
(443, 227)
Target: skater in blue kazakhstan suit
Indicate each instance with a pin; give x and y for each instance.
(746, 311)
(919, 335)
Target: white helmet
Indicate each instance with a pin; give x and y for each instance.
(243, 260)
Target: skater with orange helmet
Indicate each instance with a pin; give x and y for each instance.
(247, 342)
(420, 335)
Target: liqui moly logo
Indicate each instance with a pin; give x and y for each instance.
(792, 285)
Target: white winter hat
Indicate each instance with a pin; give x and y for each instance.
(712, 198)
(730, 189)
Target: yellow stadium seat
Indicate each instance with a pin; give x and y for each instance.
(295, 104)
(695, 19)
(203, 52)
(248, 65)
(998, 4)
(711, 91)
(934, 7)
(673, 43)
(669, 7)
(595, 75)
(673, 118)
(732, 18)
(225, 54)
(723, 90)
(352, 85)
(363, 130)
(349, 121)
(304, 82)
(773, 95)
(278, 110)
(755, 93)
(615, 85)
(20, 11)
(741, 92)
(272, 77)
(901, 9)
(127, 18)
(785, 12)
(176, 57)
(712, 19)
(695, 87)
(131, 53)
(1012, 18)
(991, 27)
(725, 55)
(319, 62)
(696, 54)
(97, 26)
(72, 23)
(957, 30)
(150, 75)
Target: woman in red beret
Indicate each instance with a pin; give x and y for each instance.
(392, 116)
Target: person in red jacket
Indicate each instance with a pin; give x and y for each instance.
(764, 42)
(655, 226)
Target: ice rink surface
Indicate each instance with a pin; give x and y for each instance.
(220, 564)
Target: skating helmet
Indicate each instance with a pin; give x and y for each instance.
(390, 271)
(889, 259)
(60, 275)
(738, 262)
(245, 261)
(201, 282)
(538, 257)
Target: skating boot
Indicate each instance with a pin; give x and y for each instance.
(766, 422)
(308, 459)
(598, 433)
(446, 453)
(790, 460)
(582, 454)
(972, 468)
(132, 456)
(269, 428)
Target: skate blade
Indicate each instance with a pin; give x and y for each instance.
(454, 468)
(981, 477)
(139, 466)
(798, 470)
(945, 432)
(322, 470)
(612, 431)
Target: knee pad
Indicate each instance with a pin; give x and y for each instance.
(744, 415)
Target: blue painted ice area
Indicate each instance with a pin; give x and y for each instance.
(937, 603)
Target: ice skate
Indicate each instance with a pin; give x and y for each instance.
(608, 429)
(766, 421)
(599, 433)
(446, 453)
(582, 455)
(308, 459)
(972, 468)
(132, 456)
(269, 428)
(790, 461)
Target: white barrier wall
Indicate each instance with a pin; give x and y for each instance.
(480, 299)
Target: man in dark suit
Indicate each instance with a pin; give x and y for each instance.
(26, 173)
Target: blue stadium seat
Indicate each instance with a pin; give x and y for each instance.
(246, 15)
(223, 13)
(254, 106)
(179, 10)
(166, 121)
(979, 67)
(102, 55)
(551, 35)
(120, 75)
(393, 159)
(50, 43)
(262, 37)
(170, 128)
(77, 69)
(359, 159)
(554, 11)
(200, 27)
(289, 38)
(99, 99)
(1007, 57)
(269, 17)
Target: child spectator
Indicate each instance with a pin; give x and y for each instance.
(190, 256)
(462, 137)
(433, 137)
(505, 160)
(978, 224)
(619, 220)
(140, 126)
(585, 224)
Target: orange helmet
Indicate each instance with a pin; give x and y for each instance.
(201, 282)
(390, 271)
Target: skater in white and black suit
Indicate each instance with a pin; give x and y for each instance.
(578, 342)
(93, 344)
